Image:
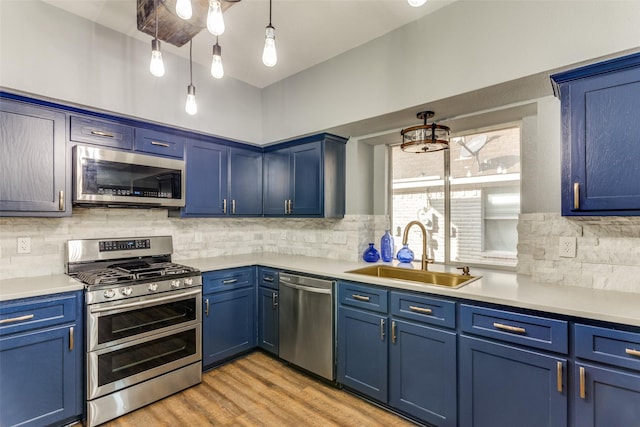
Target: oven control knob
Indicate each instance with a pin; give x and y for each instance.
(126, 291)
(175, 284)
(152, 287)
(109, 293)
(188, 281)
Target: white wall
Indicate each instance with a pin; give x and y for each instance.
(463, 47)
(48, 52)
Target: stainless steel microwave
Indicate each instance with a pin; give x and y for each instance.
(120, 178)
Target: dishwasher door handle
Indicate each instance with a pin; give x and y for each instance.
(306, 288)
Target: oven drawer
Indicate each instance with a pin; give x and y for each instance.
(216, 281)
(38, 312)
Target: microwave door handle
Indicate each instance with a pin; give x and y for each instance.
(145, 303)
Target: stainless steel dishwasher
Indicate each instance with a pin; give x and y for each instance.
(306, 323)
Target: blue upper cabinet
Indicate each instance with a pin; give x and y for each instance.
(33, 161)
(206, 179)
(89, 130)
(305, 177)
(601, 137)
(159, 143)
(245, 182)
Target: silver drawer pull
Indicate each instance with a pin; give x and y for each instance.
(100, 133)
(229, 282)
(509, 328)
(632, 352)
(16, 319)
(420, 309)
(268, 279)
(360, 297)
(160, 144)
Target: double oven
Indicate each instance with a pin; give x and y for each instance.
(143, 322)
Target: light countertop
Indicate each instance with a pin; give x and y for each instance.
(498, 287)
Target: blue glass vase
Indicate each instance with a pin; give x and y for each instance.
(405, 254)
(386, 247)
(371, 254)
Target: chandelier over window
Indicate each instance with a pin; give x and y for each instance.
(425, 138)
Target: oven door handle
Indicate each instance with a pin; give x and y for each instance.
(146, 302)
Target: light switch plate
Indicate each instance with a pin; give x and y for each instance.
(567, 247)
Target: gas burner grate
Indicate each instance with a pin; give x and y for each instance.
(105, 276)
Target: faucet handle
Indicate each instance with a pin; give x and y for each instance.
(465, 270)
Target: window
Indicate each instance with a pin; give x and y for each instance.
(479, 207)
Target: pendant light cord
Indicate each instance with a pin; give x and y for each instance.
(190, 62)
(270, 13)
(155, 6)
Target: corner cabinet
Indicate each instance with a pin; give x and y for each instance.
(600, 114)
(305, 177)
(41, 360)
(222, 180)
(33, 161)
(228, 319)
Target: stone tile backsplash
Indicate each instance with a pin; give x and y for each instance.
(607, 255)
(192, 238)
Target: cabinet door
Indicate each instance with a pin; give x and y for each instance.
(268, 319)
(245, 182)
(160, 143)
(228, 325)
(275, 182)
(606, 397)
(362, 352)
(506, 386)
(39, 375)
(422, 372)
(32, 161)
(206, 179)
(306, 179)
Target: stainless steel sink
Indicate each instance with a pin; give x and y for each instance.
(449, 280)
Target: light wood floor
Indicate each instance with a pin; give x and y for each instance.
(258, 390)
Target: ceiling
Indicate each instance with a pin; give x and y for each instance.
(308, 32)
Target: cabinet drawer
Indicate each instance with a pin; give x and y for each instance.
(268, 278)
(216, 281)
(618, 348)
(424, 309)
(363, 296)
(524, 329)
(163, 144)
(39, 312)
(110, 134)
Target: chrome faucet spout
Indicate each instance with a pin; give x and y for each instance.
(425, 237)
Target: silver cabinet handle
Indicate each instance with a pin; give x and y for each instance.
(233, 206)
(360, 297)
(268, 279)
(60, 200)
(71, 339)
(420, 309)
(160, 144)
(290, 207)
(394, 337)
(274, 300)
(509, 328)
(229, 281)
(206, 307)
(17, 319)
(285, 207)
(224, 206)
(101, 133)
(381, 329)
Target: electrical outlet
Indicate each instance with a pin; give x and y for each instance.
(24, 245)
(567, 247)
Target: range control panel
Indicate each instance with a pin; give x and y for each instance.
(123, 245)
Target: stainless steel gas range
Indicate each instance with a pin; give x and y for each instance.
(143, 322)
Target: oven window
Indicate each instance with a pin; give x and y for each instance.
(117, 326)
(119, 364)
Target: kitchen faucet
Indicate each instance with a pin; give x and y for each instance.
(425, 237)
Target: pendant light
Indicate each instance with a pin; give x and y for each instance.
(183, 9)
(156, 66)
(216, 62)
(269, 55)
(191, 107)
(215, 21)
(416, 3)
(425, 138)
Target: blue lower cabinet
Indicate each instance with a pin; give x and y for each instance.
(606, 397)
(362, 352)
(228, 326)
(268, 319)
(505, 386)
(422, 372)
